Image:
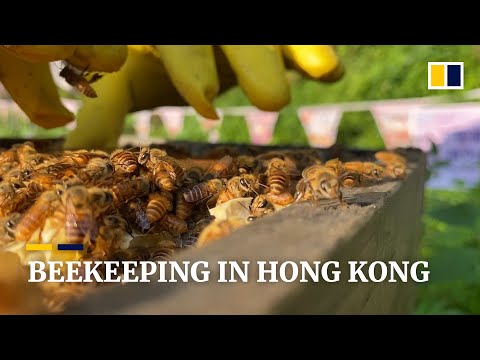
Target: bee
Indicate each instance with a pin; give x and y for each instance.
(80, 224)
(203, 190)
(136, 214)
(237, 186)
(183, 209)
(78, 81)
(174, 224)
(260, 206)
(161, 251)
(7, 227)
(13, 197)
(97, 171)
(159, 203)
(112, 235)
(395, 165)
(70, 178)
(193, 176)
(347, 178)
(369, 171)
(167, 171)
(131, 254)
(189, 238)
(218, 229)
(100, 199)
(35, 216)
(278, 178)
(283, 199)
(247, 164)
(318, 182)
(127, 189)
(125, 162)
(222, 168)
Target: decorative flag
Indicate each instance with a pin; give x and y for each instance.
(142, 125)
(261, 125)
(392, 122)
(172, 118)
(455, 130)
(320, 124)
(212, 127)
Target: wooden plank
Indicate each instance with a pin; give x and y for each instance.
(383, 223)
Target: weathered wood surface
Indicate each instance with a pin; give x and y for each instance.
(382, 222)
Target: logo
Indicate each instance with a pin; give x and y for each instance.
(49, 247)
(445, 75)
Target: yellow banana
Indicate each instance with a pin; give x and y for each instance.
(193, 71)
(316, 61)
(41, 53)
(142, 83)
(101, 58)
(261, 74)
(31, 86)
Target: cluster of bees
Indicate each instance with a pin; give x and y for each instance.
(142, 204)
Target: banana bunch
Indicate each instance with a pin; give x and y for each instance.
(25, 74)
(141, 77)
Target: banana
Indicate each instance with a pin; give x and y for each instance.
(142, 83)
(100, 120)
(193, 71)
(316, 61)
(41, 53)
(261, 74)
(31, 86)
(101, 58)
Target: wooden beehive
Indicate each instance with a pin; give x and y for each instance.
(382, 222)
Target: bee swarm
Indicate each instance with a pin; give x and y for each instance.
(144, 204)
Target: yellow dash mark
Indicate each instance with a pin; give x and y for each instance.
(33, 247)
(437, 75)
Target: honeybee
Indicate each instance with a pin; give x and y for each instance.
(148, 156)
(193, 176)
(80, 224)
(395, 165)
(189, 238)
(224, 167)
(100, 199)
(78, 81)
(70, 178)
(125, 162)
(278, 178)
(318, 182)
(161, 251)
(128, 189)
(37, 183)
(183, 209)
(174, 224)
(36, 215)
(283, 199)
(218, 229)
(369, 171)
(347, 178)
(159, 203)
(203, 190)
(260, 206)
(237, 186)
(112, 235)
(97, 171)
(13, 197)
(136, 213)
(7, 227)
(247, 164)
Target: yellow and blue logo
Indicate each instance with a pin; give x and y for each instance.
(445, 75)
(49, 247)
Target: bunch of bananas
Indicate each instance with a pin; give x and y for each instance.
(141, 77)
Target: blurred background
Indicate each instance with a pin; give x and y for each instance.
(383, 101)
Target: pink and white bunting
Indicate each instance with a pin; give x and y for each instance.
(212, 127)
(172, 118)
(392, 122)
(455, 130)
(320, 124)
(261, 125)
